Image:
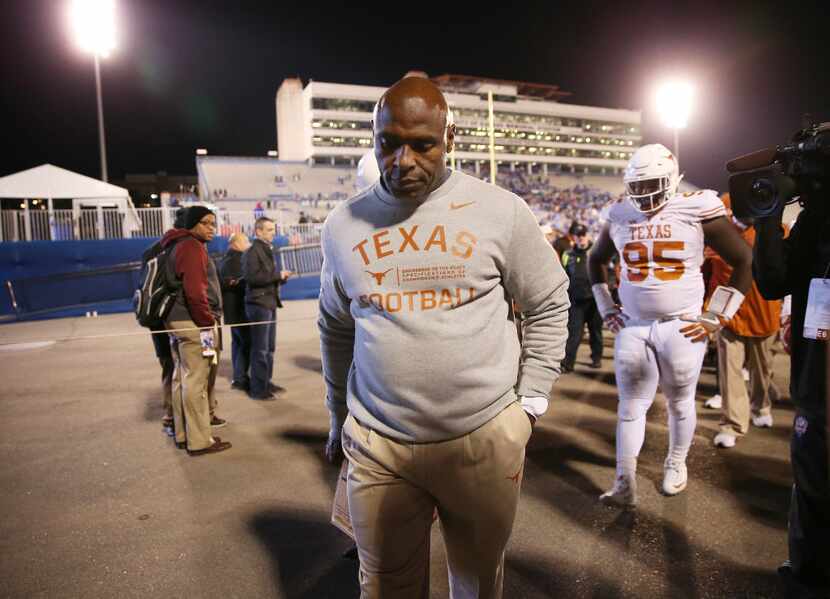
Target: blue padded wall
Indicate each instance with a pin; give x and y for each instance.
(109, 293)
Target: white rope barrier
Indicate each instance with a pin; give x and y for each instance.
(146, 332)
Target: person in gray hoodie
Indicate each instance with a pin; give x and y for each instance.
(432, 397)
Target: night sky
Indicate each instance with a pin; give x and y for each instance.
(204, 74)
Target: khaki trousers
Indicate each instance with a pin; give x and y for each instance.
(191, 386)
(733, 352)
(394, 488)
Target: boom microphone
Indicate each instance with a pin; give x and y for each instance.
(752, 161)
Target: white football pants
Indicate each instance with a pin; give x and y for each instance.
(647, 353)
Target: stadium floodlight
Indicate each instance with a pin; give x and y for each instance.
(201, 152)
(93, 22)
(674, 104)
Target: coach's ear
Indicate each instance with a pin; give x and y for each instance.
(449, 138)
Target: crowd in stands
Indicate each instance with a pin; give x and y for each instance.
(554, 201)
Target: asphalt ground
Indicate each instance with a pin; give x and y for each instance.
(97, 502)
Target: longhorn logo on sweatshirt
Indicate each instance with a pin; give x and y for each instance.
(378, 275)
(414, 285)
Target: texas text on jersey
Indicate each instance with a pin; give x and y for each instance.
(661, 254)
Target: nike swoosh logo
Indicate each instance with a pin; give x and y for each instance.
(454, 206)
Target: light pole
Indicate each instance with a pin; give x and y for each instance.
(93, 22)
(674, 104)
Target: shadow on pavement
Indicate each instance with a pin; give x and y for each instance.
(305, 551)
(153, 406)
(312, 363)
(605, 400)
(554, 456)
(530, 578)
(762, 486)
(315, 443)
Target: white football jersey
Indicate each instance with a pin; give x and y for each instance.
(661, 254)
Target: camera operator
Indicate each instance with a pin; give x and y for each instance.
(798, 265)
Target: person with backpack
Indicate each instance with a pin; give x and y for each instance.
(161, 340)
(194, 317)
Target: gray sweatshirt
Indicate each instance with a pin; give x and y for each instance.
(416, 329)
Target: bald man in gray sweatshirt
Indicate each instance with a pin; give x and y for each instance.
(430, 392)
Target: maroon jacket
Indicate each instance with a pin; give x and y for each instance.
(190, 265)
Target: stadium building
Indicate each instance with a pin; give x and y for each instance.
(330, 124)
(565, 160)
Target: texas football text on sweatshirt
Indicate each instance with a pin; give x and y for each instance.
(415, 321)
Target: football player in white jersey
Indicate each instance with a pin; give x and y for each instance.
(661, 325)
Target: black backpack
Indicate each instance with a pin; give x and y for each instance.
(157, 290)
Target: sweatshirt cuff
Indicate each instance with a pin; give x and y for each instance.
(535, 381)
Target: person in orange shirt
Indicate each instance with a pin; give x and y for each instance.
(747, 338)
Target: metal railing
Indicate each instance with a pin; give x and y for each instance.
(112, 223)
(303, 260)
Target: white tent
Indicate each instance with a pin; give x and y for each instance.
(49, 182)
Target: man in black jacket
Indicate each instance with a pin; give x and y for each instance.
(793, 266)
(583, 307)
(262, 298)
(233, 302)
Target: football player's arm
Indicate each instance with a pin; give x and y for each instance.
(598, 260)
(599, 257)
(337, 329)
(722, 237)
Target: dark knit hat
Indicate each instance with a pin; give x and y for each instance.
(179, 222)
(194, 215)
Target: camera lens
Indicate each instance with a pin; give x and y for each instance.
(764, 197)
(763, 192)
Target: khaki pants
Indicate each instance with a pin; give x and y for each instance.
(733, 352)
(191, 386)
(394, 489)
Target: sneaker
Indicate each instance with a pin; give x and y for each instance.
(272, 388)
(724, 440)
(567, 367)
(764, 421)
(217, 422)
(240, 386)
(167, 428)
(267, 397)
(714, 403)
(623, 493)
(675, 477)
(596, 363)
